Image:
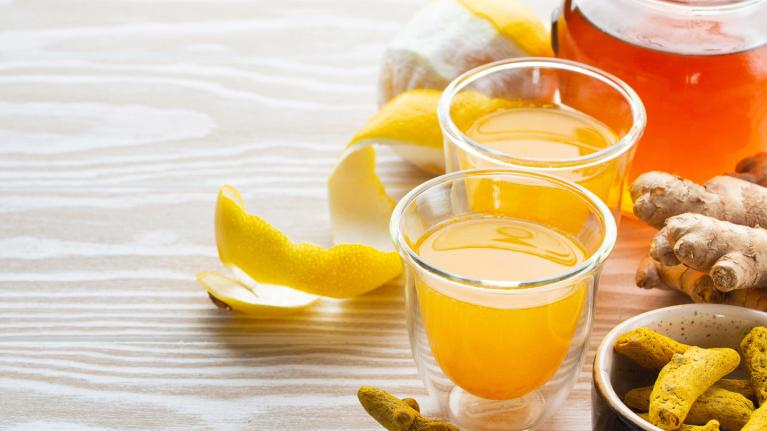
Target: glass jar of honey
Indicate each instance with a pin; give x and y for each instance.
(700, 67)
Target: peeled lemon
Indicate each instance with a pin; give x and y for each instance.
(449, 37)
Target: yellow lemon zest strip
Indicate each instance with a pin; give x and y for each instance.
(265, 254)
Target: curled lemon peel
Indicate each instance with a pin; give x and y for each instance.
(360, 207)
(250, 244)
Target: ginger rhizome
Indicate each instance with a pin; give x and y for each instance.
(697, 285)
(712, 244)
(752, 169)
(396, 414)
(735, 256)
(659, 195)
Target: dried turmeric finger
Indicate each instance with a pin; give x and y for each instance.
(711, 425)
(754, 349)
(758, 421)
(648, 348)
(684, 379)
(396, 414)
(412, 403)
(731, 409)
(740, 386)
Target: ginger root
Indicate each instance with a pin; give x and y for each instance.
(697, 285)
(659, 195)
(395, 414)
(734, 256)
(712, 245)
(752, 169)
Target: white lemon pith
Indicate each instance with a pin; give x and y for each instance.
(449, 37)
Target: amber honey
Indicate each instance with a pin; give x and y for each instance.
(704, 112)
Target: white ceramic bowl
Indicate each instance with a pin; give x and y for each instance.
(705, 325)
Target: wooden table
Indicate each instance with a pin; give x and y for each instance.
(118, 122)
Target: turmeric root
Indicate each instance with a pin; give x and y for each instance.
(758, 421)
(396, 414)
(739, 386)
(731, 409)
(712, 425)
(734, 256)
(754, 349)
(648, 348)
(752, 169)
(658, 196)
(684, 379)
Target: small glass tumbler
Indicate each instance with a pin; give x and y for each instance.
(501, 354)
(615, 114)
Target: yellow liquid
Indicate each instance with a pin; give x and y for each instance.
(497, 351)
(543, 133)
(546, 132)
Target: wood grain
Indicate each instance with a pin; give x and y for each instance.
(119, 119)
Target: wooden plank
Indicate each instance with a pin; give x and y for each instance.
(119, 119)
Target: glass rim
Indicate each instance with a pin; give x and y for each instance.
(625, 143)
(511, 287)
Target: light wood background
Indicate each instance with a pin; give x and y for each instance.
(119, 119)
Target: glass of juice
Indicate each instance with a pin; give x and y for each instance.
(501, 270)
(544, 114)
(700, 67)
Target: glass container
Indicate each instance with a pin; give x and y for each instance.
(559, 119)
(700, 68)
(501, 354)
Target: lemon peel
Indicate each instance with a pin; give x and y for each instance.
(360, 207)
(261, 300)
(445, 39)
(250, 244)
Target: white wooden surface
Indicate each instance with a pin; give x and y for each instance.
(119, 119)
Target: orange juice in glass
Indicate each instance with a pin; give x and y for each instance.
(549, 115)
(499, 296)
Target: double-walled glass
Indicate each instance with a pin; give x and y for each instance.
(501, 354)
(561, 85)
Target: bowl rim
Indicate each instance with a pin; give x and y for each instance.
(601, 378)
